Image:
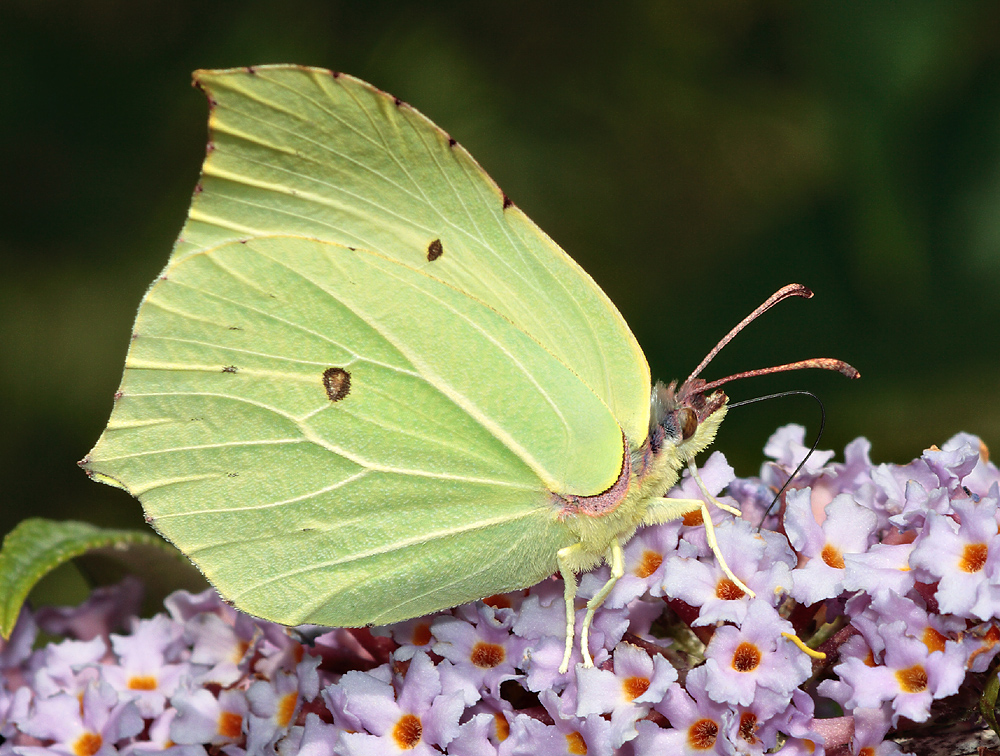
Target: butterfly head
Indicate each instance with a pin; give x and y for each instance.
(686, 418)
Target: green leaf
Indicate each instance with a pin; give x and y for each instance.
(988, 703)
(37, 546)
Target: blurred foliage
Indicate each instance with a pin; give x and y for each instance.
(692, 156)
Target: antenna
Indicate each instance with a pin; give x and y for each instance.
(815, 443)
(825, 363)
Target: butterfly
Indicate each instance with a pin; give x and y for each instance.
(366, 387)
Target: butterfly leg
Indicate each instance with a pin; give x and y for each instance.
(704, 489)
(564, 560)
(617, 564)
(706, 516)
(665, 510)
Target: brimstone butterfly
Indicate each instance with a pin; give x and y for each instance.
(367, 387)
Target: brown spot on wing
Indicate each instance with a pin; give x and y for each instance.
(337, 383)
(434, 250)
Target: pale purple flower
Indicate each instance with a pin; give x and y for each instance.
(910, 676)
(93, 725)
(627, 693)
(698, 725)
(107, 608)
(203, 718)
(542, 621)
(159, 740)
(566, 736)
(484, 654)
(141, 673)
(69, 666)
(316, 738)
(219, 648)
(275, 703)
(883, 569)
(763, 561)
(646, 557)
(847, 528)
(412, 635)
(964, 558)
(754, 662)
(416, 720)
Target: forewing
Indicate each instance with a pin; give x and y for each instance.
(337, 438)
(303, 151)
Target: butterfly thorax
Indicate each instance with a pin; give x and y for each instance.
(682, 424)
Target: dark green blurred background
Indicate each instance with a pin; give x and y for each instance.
(693, 157)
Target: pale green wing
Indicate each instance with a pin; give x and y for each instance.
(337, 438)
(302, 151)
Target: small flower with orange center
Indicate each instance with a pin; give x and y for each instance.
(568, 735)
(882, 570)
(91, 725)
(418, 720)
(221, 647)
(484, 652)
(849, 528)
(204, 719)
(910, 676)
(275, 703)
(698, 725)
(754, 663)
(763, 560)
(486, 730)
(870, 728)
(754, 730)
(963, 558)
(637, 682)
(412, 635)
(143, 673)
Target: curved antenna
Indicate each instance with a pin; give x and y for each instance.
(815, 444)
(826, 363)
(791, 290)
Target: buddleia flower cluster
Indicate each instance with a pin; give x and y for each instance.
(876, 611)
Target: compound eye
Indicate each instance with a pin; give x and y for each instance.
(687, 421)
